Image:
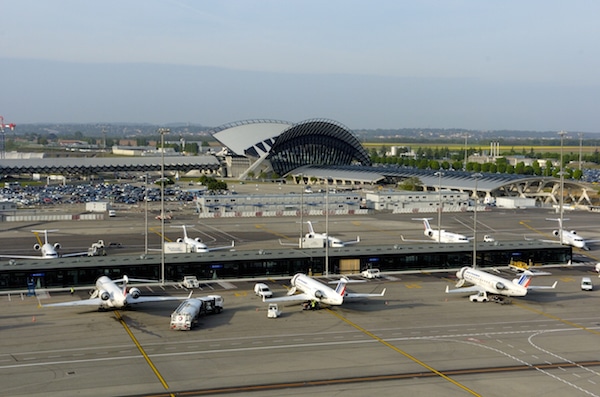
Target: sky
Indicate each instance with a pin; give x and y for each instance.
(472, 64)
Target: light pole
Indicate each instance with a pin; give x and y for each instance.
(327, 229)
(439, 174)
(562, 186)
(476, 176)
(146, 214)
(301, 210)
(466, 152)
(162, 132)
(580, 149)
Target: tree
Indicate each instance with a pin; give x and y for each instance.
(412, 184)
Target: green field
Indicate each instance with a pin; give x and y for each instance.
(458, 147)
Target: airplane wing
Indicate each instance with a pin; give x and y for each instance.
(222, 248)
(415, 241)
(22, 257)
(353, 241)
(289, 298)
(536, 287)
(72, 254)
(83, 302)
(465, 290)
(351, 295)
(130, 301)
(145, 299)
(288, 244)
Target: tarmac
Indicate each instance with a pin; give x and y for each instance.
(415, 341)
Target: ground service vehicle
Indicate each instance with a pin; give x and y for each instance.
(185, 317)
(273, 311)
(190, 282)
(479, 297)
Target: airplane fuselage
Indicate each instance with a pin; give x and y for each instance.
(116, 298)
(447, 237)
(491, 283)
(573, 239)
(318, 291)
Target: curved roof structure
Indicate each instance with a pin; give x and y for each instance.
(316, 142)
(250, 137)
(287, 146)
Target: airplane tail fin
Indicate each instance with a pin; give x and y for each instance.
(310, 227)
(525, 279)
(341, 287)
(426, 224)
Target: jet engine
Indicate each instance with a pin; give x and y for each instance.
(319, 294)
(555, 233)
(57, 246)
(198, 239)
(180, 240)
(500, 286)
(135, 293)
(37, 247)
(460, 273)
(104, 295)
(428, 233)
(573, 232)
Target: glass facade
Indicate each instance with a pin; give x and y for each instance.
(390, 260)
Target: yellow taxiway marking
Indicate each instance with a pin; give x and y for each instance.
(141, 349)
(405, 354)
(37, 235)
(412, 285)
(240, 294)
(262, 227)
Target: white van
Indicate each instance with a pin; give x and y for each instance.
(586, 284)
(262, 290)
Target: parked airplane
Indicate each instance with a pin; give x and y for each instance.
(484, 282)
(108, 295)
(196, 244)
(313, 236)
(50, 251)
(313, 290)
(439, 235)
(569, 237)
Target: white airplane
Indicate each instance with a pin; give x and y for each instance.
(569, 237)
(483, 282)
(334, 242)
(313, 290)
(196, 244)
(49, 251)
(439, 235)
(108, 295)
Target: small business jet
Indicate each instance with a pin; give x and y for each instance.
(334, 242)
(569, 237)
(313, 290)
(441, 236)
(108, 295)
(49, 251)
(483, 282)
(196, 244)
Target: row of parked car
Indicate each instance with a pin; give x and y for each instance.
(125, 193)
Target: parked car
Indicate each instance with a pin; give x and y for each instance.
(371, 273)
(586, 284)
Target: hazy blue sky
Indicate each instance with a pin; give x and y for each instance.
(530, 65)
